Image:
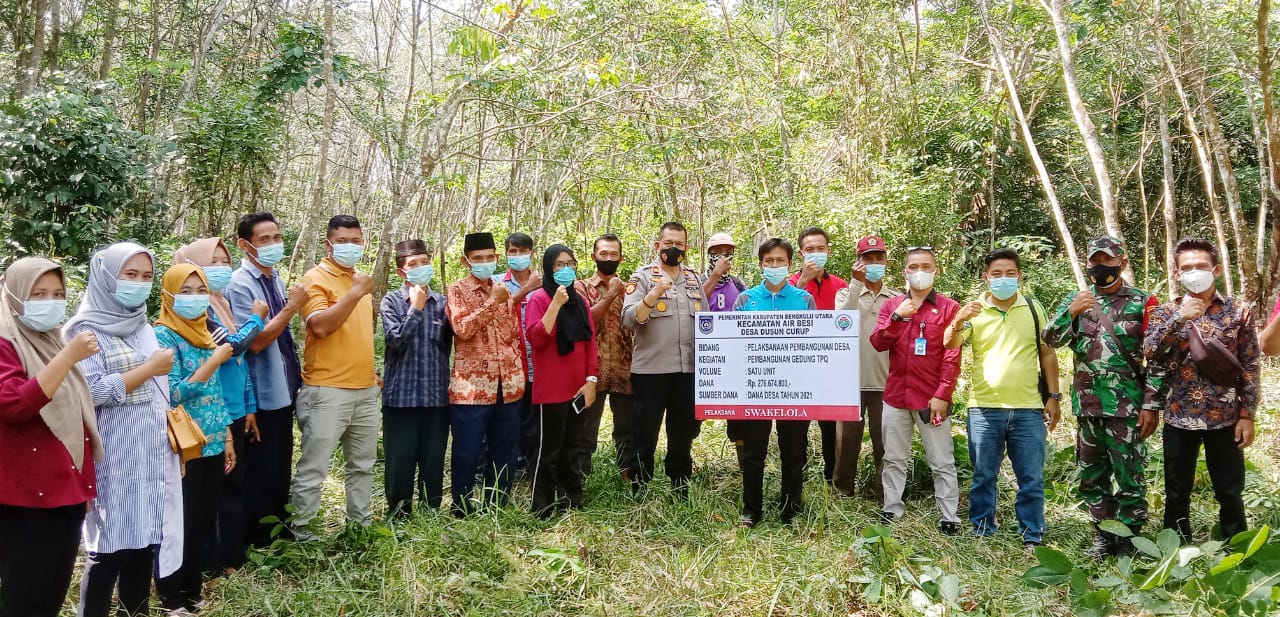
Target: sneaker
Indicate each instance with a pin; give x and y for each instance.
(1030, 546)
(949, 528)
(749, 520)
(887, 517)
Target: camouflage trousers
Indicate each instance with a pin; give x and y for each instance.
(1107, 449)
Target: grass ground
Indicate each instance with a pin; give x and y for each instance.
(658, 556)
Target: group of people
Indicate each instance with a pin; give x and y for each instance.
(515, 370)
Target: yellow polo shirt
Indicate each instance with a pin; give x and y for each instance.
(344, 359)
(1006, 356)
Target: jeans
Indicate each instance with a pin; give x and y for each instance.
(1023, 433)
(473, 428)
(1225, 461)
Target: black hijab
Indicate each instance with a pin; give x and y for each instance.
(571, 324)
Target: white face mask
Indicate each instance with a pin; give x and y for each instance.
(1197, 281)
(920, 281)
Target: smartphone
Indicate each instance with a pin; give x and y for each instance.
(579, 403)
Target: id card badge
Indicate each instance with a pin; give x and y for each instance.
(922, 346)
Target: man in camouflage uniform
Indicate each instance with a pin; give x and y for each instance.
(1113, 397)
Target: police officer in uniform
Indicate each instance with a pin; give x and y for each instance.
(659, 306)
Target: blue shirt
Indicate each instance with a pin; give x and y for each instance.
(273, 384)
(789, 298)
(203, 400)
(417, 351)
(508, 279)
(237, 387)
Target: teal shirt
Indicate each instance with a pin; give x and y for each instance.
(202, 400)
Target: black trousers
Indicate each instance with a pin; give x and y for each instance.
(268, 471)
(127, 572)
(414, 440)
(38, 549)
(621, 406)
(751, 438)
(555, 469)
(201, 494)
(828, 430)
(668, 395)
(1225, 461)
(225, 548)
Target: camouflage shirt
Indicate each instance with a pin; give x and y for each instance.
(1110, 377)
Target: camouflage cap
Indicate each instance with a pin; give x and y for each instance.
(1105, 244)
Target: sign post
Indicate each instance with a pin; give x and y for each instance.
(777, 365)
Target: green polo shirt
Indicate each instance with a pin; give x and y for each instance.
(1006, 356)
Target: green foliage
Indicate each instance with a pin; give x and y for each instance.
(298, 62)
(1241, 577)
(73, 174)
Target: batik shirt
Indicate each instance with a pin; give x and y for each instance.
(1193, 402)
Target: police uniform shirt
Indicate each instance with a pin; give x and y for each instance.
(664, 343)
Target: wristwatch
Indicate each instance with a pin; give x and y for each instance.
(592, 379)
(896, 317)
(1057, 396)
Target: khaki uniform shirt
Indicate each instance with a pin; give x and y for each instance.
(664, 343)
(874, 364)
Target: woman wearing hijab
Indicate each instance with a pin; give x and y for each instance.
(194, 384)
(562, 335)
(137, 513)
(48, 440)
(224, 549)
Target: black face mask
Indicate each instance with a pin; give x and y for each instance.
(672, 255)
(608, 268)
(1103, 276)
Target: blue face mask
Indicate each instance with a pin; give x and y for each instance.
(875, 272)
(43, 315)
(519, 263)
(1003, 287)
(190, 306)
(565, 276)
(483, 271)
(817, 259)
(132, 294)
(775, 276)
(420, 275)
(347, 254)
(270, 255)
(218, 276)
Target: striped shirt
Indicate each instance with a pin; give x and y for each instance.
(417, 351)
(128, 512)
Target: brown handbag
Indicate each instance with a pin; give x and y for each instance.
(185, 436)
(1212, 359)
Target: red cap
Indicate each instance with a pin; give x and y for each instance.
(871, 244)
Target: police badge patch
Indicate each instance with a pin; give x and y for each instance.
(631, 286)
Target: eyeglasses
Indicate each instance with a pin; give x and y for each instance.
(569, 264)
(912, 249)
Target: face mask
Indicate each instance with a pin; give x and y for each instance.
(875, 272)
(920, 281)
(817, 259)
(43, 315)
(1003, 287)
(519, 263)
(420, 275)
(775, 275)
(190, 306)
(1197, 281)
(270, 255)
(218, 276)
(347, 255)
(132, 294)
(1103, 276)
(483, 271)
(565, 276)
(607, 268)
(672, 256)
